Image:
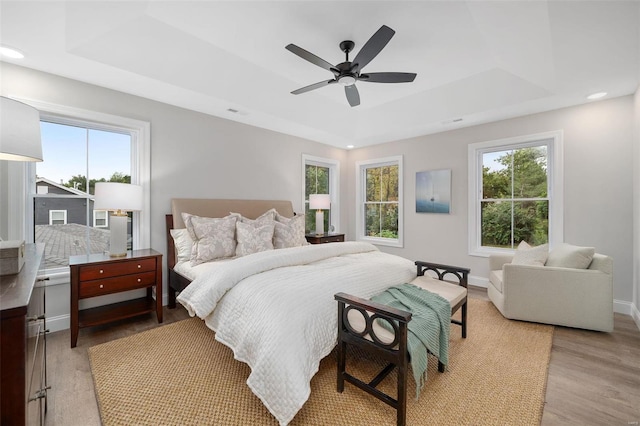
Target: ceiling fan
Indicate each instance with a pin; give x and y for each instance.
(347, 73)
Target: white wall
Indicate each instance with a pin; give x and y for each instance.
(192, 154)
(598, 177)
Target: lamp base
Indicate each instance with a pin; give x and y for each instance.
(118, 237)
(319, 222)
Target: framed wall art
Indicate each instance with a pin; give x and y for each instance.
(433, 191)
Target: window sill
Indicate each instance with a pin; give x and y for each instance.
(382, 242)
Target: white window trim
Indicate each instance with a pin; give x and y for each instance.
(360, 197)
(140, 160)
(334, 185)
(555, 186)
(64, 216)
(106, 218)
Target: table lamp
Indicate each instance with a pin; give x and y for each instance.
(119, 198)
(319, 202)
(19, 131)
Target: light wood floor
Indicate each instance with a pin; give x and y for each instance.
(594, 378)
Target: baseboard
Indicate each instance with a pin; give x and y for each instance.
(478, 281)
(622, 307)
(58, 323)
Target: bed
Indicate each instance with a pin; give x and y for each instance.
(275, 308)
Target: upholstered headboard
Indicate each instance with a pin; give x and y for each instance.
(209, 207)
(221, 208)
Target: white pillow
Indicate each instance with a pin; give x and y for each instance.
(266, 217)
(570, 256)
(183, 243)
(527, 255)
(253, 239)
(213, 238)
(289, 232)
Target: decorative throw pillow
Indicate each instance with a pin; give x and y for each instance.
(289, 232)
(265, 218)
(252, 238)
(570, 256)
(527, 255)
(213, 238)
(183, 243)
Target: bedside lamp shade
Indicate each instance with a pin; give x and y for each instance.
(319, 202)
(19, 131)
(119, 198)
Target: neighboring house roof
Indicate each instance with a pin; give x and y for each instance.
(72, 191)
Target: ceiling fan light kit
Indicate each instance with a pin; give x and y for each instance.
(348, 72)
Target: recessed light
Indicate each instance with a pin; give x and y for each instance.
(350, 146)
(10, 52)
(597, 95)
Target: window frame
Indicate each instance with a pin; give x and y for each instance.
(555, 178)
(361, 167)
(334, 186)
(106, 218)
(140, 167)
(64, 215)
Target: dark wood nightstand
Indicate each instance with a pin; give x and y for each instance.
(324, 238)
(98, 274)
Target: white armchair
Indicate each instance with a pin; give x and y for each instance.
(580, 298)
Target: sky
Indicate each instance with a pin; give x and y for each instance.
(64, 149)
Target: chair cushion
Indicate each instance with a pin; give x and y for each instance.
(495, 277)
(452, 292)
(570, 256)
(527, 255)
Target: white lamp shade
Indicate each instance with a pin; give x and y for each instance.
(319, 201)
(19, 131)
(118, 196)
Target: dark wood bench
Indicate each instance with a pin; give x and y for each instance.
(394, 352)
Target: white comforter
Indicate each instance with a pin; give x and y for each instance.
(276, 311)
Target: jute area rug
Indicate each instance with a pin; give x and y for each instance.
(179, 375)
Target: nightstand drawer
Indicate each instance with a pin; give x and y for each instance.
(336, 239)
(95, 272)
(116, 284)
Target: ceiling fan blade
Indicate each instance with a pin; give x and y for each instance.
(308, 56)
(313, 86)
(388, 77)
(352, 95)
(372, 47)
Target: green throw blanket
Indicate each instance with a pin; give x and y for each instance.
(428, 329)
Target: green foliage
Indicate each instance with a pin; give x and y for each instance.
(79, 182)
(527, 169)
(381, 208)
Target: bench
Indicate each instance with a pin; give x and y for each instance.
(362, 331)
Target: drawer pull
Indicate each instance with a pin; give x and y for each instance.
(139, 266)
(139, 280)
(101, 271)
(101, 285)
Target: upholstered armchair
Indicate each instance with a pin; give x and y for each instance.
(566, 296)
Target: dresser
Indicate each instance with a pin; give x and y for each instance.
(23, 344)
(99, 274)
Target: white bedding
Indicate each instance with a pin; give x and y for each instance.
(276, 311)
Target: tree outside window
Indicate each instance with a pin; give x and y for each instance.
(515, 192)
(316, 182)
(379, 201)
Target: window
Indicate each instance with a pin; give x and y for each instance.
(515, 193)
(321, 176)
(379, 201)
(81, 148)
(57, 217)
(100, 219)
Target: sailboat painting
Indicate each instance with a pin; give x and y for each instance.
(433, 191)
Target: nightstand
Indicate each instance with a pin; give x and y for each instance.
(99, 274)
(324, 238)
